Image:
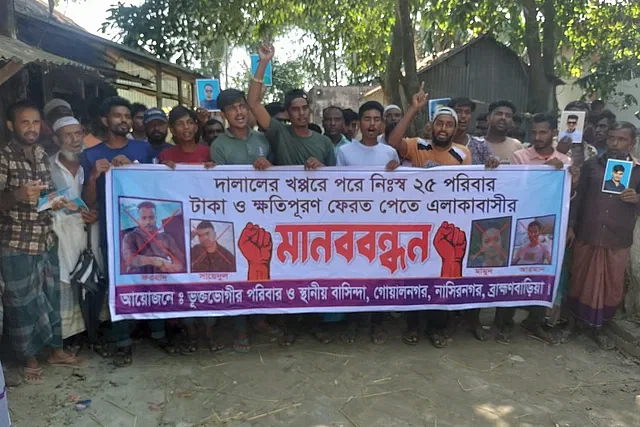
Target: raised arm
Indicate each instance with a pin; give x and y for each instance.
(254, 99)
(396, 138)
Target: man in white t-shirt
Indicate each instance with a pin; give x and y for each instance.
(368, 152)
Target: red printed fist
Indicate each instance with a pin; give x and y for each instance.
(257, 247)
(451, 244)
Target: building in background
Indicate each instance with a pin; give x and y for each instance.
(321, 97)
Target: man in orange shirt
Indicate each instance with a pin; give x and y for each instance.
(441, 150)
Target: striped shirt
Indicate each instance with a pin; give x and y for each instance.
(22, 227)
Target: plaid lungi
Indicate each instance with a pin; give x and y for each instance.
(31, 300)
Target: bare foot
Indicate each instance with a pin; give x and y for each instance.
(60, 357)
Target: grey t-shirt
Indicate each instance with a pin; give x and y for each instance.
(290, 149)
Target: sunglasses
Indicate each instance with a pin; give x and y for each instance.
(572, 123)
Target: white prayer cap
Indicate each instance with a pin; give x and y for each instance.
(65, 121)
(446, 111)
(55, 103)
(392, 107)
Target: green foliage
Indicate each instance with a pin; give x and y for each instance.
(287, 76)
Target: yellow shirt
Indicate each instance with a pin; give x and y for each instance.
(420, 151)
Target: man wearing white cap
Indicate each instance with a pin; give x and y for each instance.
(69, 224)
(53, 110)
(440, 151)
(391, 114)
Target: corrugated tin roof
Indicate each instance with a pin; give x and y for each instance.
(40, 8)
(12, 49)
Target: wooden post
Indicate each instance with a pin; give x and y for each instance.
(180, 101)
(159, 85)
(7, 19)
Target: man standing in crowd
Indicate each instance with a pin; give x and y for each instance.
(156, 127)
(28, 253)
(333, 123)
(500, 123)
(368, 152)
(211, 130)
(482, 126)
(544, 128)
(605, 120)
(184, 127)
(116, 151)
(392, 115)
(601, 230)
(350, 123)
(53, 110)
(464, 108)
(67, 173)
(479, 149)
(139, 132)
(292, 144)
(241, 145)
(440, 151)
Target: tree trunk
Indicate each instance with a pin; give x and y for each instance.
(393, 73)
(410, 81)
(539, 85)
(550, 45)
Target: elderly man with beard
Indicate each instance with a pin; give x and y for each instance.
(440, 151)
(392, 114)
(67, 173)
(28, 253)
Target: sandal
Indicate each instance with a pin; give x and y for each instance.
(189, 347)
(378, 335)
(537, 332)
(322, 336)
(504, 335)
(68, 362)
(437, 339)
(32, 376)
(478, 331)
(350, 334)
(287, 340)
(102, 350)
(12, 378)
(410, 337)
(165, 345)
(123, 357)
(215, 346)
(241, 345)
(603, 341)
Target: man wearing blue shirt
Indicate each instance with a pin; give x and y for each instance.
(116, 151)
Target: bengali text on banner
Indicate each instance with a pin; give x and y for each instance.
(232, 240)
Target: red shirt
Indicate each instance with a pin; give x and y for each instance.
(175, 154)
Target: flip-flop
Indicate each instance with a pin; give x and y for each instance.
(215, 346)
(538, 333)
(189, 347)
(69, 362)
(437, 339)
(287, 340)
(604, 342)
(322, 336)
(378, 335)
(241, 345)
(270, 330)
(349, 335)
(123, 357)
(410, 337)
(165, 345)
(478, 332)
(32, 376)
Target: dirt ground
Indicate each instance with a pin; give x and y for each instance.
(469, 383)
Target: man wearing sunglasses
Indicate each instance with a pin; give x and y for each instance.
(209, 102)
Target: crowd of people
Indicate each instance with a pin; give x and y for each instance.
(40, 249)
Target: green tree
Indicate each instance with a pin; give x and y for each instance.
(286, 77)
